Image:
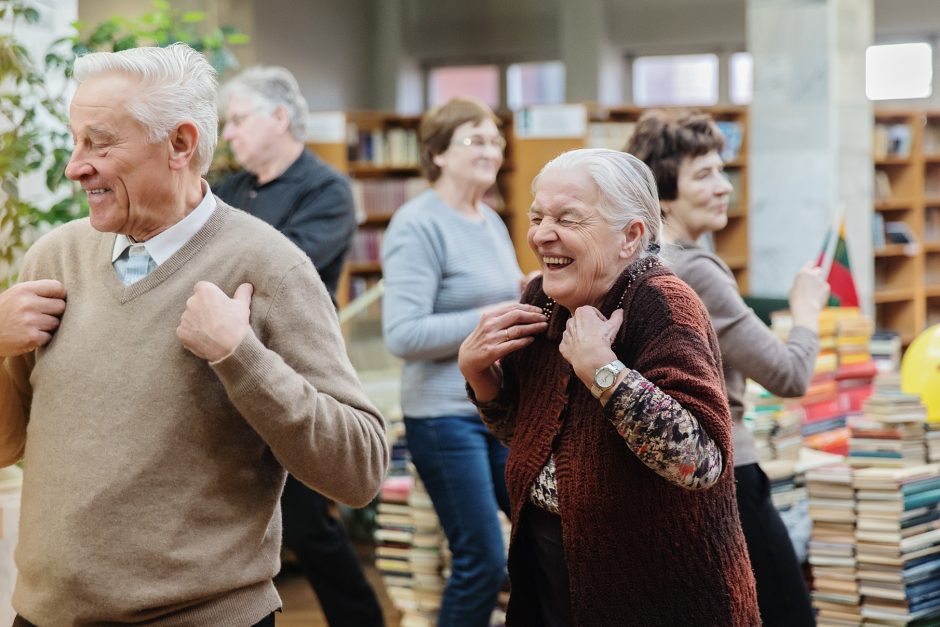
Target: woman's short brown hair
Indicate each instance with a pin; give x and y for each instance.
(662, 139)
(438, 125)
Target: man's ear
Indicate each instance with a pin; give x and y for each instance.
(282, 118)
(183, 140)
(632, 239)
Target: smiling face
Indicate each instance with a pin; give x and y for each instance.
(130, 183)
(702, 192)
(474, 155)
(580, 254)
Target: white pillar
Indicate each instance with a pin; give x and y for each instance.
(811, 130)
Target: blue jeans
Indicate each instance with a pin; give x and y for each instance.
(462, 466)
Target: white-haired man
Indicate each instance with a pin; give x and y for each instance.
(155, 414)
(288, 187)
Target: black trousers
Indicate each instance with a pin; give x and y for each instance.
(540, 530)
(781, 589)
(327, 559)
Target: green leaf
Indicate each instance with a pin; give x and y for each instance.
(193, 17)
(237, 39)
(31, 15)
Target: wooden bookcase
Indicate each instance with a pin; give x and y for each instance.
(612, 127)
(906, 160)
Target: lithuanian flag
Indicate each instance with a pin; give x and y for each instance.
(834, 260)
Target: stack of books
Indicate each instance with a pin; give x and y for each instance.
(898, 543)
(774, 422)
(842, 375)
(889, 432)
(409, 552)
(835, 592)
(885, 349)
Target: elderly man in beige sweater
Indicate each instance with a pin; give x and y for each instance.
(155, 414)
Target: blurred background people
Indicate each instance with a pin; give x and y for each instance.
(288, 187)
(683, 149)
(446, 258)
(606, 384)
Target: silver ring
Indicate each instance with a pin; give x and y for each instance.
(506, 332)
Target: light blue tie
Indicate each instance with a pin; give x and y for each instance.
(134, 264)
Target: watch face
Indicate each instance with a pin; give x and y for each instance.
(605, 378)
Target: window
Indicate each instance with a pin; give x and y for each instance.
(898, 71)
(477, 81)
(676, 80)
(741, 78)
(535, 83)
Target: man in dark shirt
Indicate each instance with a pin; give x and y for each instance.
(285, 185)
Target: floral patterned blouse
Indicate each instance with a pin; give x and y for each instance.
(659, 431)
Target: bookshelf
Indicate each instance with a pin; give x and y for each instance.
(612, 128)
(906, 160)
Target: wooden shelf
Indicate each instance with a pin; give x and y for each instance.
(892, 161)
(361, 169)
(893, 295)
(897, 250)
(932, 291)
(365, 267)
(380, 219)
(894, 204)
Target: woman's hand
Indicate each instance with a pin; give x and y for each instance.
(502, 329)
(808, 296)
(587, 340)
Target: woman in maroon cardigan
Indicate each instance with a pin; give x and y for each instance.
(606, 384)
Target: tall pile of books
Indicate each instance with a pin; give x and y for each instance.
(409, 552)
(835, 593)
(898, 543)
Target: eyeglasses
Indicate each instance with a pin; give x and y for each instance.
(478, 141)
(238, 119)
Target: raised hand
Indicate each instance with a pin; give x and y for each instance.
(29, 315)
(808, 296)
(501, 330)
(213, 324)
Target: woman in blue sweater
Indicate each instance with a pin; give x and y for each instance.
(447, 257)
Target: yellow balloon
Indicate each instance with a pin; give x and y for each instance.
(920, 370)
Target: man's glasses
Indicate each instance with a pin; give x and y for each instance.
(479, 141)
(237, 119)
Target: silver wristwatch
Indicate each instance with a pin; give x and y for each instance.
(605, 376)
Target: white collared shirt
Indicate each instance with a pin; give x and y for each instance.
(162, 246)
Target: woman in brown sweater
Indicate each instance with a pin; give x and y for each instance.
(606, 384)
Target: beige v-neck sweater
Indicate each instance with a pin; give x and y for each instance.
(152, 479)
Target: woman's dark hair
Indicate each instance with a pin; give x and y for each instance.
(662, 139)
(438, 125)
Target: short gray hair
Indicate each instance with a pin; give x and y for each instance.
(272, 87)
(627, 188)
(177, 85)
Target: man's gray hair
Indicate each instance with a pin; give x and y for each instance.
(626, 184)
(177, 85)
(272, 87)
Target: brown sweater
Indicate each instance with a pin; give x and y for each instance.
(152, 479)
(639, 549)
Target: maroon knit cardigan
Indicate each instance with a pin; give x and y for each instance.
(639, 550)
